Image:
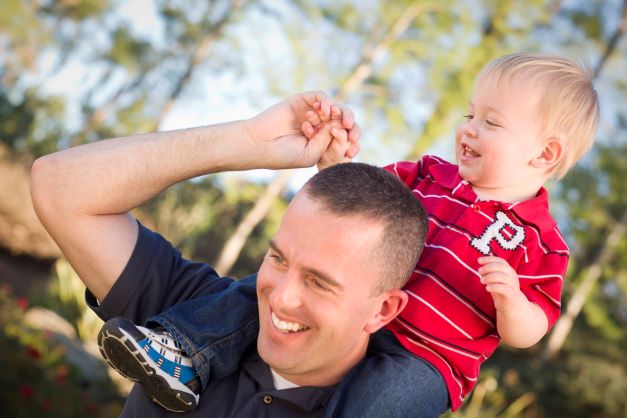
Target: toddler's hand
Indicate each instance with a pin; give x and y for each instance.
(501, 280)
(337, 149)
(325, 112)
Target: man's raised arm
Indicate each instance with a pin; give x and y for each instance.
(83, 195)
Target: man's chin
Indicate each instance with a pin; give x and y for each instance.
(276, 358)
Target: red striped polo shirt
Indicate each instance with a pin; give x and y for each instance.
(450, 320)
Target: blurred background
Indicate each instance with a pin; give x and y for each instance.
(74, 71)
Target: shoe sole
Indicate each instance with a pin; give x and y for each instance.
(124, 356)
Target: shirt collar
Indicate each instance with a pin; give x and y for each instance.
(447, 176)
(534, 211)
(307, 398)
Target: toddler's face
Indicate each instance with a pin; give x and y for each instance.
(494, 147)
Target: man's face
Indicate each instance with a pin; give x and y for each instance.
(317, 304)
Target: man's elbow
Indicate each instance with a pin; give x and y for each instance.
(43, 186)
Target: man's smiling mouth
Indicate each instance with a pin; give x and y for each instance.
(287, 327)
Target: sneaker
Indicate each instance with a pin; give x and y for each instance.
(154, 359)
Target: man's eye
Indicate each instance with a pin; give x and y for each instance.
(277, 258)
(318, 283)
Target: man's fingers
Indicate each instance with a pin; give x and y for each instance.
(325, 108)
(313, 118)
(308, 130)
(354, 134)
(348, 116)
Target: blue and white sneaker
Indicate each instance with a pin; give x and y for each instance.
(154, 359)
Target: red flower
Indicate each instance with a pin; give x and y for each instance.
(32, 352)
(22, 303)
(26, 391)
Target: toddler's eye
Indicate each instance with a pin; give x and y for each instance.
(468, 117)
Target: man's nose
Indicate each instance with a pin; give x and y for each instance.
(288, 292)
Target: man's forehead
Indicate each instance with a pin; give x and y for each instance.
(320, 239)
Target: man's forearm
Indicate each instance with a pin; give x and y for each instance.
(82, 195)
(117, 175)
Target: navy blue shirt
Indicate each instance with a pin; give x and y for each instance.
(158, 277)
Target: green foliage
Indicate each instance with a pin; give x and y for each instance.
(30, 123)
(128, 51)
(590, 23)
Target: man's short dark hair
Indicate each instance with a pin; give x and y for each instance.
(369, 191)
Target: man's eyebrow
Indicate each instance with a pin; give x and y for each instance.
(326, 278)
(322, 276)
(272, 244)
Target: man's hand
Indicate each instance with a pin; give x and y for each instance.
(284, 135)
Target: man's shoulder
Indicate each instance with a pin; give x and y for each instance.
(156, 278)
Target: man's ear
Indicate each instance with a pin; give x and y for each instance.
(550, 154)
(391, 303)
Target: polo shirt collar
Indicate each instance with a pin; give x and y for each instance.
(533, 211)
(308, 398)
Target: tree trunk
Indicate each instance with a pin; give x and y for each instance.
(199, 55)
(613, 40)
(231, 250)
(591, 276)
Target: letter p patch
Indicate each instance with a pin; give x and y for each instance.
(495, 231)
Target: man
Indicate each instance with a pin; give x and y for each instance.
(331, 277)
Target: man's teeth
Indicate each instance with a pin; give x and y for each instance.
(286, 327)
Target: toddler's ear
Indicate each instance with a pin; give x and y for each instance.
(550, 154)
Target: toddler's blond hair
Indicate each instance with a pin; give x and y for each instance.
(569, 105)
